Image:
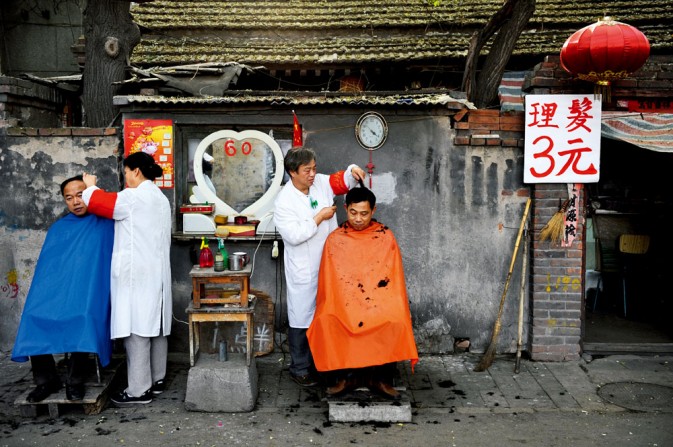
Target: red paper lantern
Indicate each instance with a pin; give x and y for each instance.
(605, 51)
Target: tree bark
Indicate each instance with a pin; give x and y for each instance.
(509, 21)
(110, 36)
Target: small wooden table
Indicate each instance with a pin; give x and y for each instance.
(201, 277)
(211, 314)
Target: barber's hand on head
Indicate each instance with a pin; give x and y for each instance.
(324, 214)
(358, 173)
(89, 179)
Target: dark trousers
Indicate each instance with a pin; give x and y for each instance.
(300, 352)
(385, 373)
(44, 368)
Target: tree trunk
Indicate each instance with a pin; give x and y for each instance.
(511, 19)
(500, 52)
(110, 36)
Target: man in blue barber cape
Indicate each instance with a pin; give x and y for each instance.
(67, 309)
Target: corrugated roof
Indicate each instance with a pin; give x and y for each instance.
(287, 99)
(342, 32)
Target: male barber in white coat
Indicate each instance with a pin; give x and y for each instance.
(304, 214)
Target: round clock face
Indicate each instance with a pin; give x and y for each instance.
(371, 130)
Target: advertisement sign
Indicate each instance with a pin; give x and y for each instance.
(562, 139)
(154, 137)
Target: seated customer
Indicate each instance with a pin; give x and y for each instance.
(67, 309)
(362, 323)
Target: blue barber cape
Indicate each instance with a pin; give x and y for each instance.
(68, 304)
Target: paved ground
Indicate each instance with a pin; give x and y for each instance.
(611, 401)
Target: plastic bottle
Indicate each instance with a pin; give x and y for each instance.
(206, 256)
(219, 262)
(223, 251)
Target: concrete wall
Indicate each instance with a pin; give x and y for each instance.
(33, 163)
(454, 208)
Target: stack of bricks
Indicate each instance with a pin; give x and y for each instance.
(489, 128)
(556, 284)
(652, 80)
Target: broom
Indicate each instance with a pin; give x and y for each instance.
(489, 355)
(555, 228)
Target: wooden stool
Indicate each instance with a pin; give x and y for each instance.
(201, 277)
(212, 314)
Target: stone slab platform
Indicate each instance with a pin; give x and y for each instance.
(227, 387)
(362, 405)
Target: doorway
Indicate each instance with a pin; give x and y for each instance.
(629, 247)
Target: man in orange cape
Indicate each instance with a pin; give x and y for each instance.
(362, 323)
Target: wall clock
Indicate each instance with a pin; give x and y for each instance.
(371, 130)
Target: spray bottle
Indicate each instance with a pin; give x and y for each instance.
(223, 252)
(206, 256)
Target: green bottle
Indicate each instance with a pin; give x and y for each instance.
(223, 251)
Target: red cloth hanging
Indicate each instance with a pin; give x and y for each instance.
(297, 138)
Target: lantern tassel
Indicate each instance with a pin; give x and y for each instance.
(603, 88)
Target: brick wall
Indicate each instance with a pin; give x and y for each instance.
(555, 281)
(652, 80)
(25, 103)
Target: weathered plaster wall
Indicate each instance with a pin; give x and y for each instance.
(32, 166)
(454, 209)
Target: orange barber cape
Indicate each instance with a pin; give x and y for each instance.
(362, 313)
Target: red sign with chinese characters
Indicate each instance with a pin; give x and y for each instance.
(563, 139)
(154, 137)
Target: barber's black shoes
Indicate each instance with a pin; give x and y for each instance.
(41, 392)
(158, 387)
(74, 392)
(122, 399)
(307, 380)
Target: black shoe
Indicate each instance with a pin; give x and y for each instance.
(41, 392)
(122, 399)
(307, 380)
(158, 387)
(74, 392)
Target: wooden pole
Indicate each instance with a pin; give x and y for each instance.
(522, 295)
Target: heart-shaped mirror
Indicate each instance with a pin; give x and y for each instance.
(239, 172)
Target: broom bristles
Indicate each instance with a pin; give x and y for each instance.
(555, 228)
(489, 355)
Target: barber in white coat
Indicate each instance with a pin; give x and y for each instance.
(140, 286)
(304, 214)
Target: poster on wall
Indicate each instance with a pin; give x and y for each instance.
(154, 137)
(562, 139)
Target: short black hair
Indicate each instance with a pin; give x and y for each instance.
(357, 195)
(296, 157)
(71, 179)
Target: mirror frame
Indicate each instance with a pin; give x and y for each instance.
(262, 204)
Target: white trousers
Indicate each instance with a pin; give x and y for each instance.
(146, 359)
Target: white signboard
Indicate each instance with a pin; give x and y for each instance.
(562, 139)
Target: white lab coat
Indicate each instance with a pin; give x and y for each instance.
(304, 241)
(140, 278)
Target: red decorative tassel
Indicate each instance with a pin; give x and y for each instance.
(297, 139)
